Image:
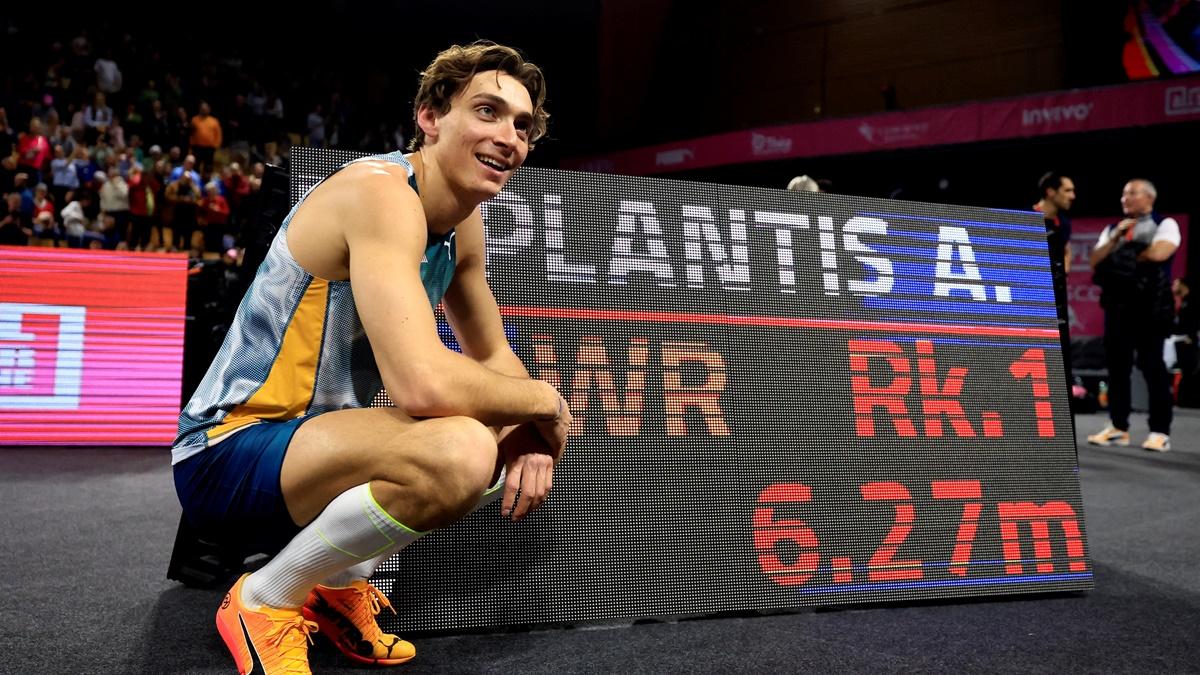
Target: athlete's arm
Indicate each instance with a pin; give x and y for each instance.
(475, 318)
(385, 233)
(471, 308)
(531, 450)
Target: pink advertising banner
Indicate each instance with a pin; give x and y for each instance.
(1130, 105)
(91, 346)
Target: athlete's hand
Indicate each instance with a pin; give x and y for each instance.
(556, 429)
(529, 467)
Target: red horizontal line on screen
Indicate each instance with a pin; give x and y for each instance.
(772, 321)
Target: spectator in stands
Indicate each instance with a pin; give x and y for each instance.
(51, 122)
(158, 125)
(78, 126)
(116, 134)
(205, 138)
(22, 188)
(273, 117)
(141, 208)
(256, 176)
(101, 151)
(181, 128)
(97, 118)
(14, 229)
(133, 121)
(152, 158)
(212, 219)
(237, 122)
(316, 127)
(107, 234)
(1132, 263)
(189, 167)
(256, 99)
(76, 223)
(85, 165)
(236, 185)
(183, 194)
(52, 80)
(63, 178)
(148, 96)
(108, 74)
(8, 173)
(172, 93)
(80, 61)
(34, 152)
(162, 235)
(59, 134)
(114, 202)
(46, 231)
(45, 227)
(271, 154)
(42, 202)
(126, 160)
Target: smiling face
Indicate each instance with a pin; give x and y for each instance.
(484, 137)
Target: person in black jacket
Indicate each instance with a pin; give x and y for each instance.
(1132, 264)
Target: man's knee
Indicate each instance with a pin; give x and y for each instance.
(458, 466)
(469, 451)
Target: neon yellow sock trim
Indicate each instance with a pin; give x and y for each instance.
(395, 522)
(500, 480)
(356, 556)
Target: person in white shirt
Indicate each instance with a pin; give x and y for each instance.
(108, 74)
(1132, 264)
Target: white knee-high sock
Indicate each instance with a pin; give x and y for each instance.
(363, 570)
(352, 530)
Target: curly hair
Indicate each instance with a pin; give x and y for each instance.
(452, 70)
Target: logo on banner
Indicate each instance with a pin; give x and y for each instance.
(41, 356)
(896, 133)
(598, 166)
(1056, 114)
(761, 144)
(1183, 101)
(672, 157)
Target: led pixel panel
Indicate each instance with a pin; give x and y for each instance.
(91, 346)
(781, 399)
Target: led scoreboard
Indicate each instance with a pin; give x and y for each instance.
(781, 399)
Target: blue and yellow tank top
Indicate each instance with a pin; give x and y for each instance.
(296, 345)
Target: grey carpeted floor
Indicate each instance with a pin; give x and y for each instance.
(86, 537)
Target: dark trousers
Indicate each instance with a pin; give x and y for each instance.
(1132, 337)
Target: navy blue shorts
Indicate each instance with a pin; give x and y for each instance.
(230, 492)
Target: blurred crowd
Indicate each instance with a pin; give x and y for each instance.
(109, 146)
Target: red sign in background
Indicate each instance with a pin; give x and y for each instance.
(91, 346)
(1087, 317)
